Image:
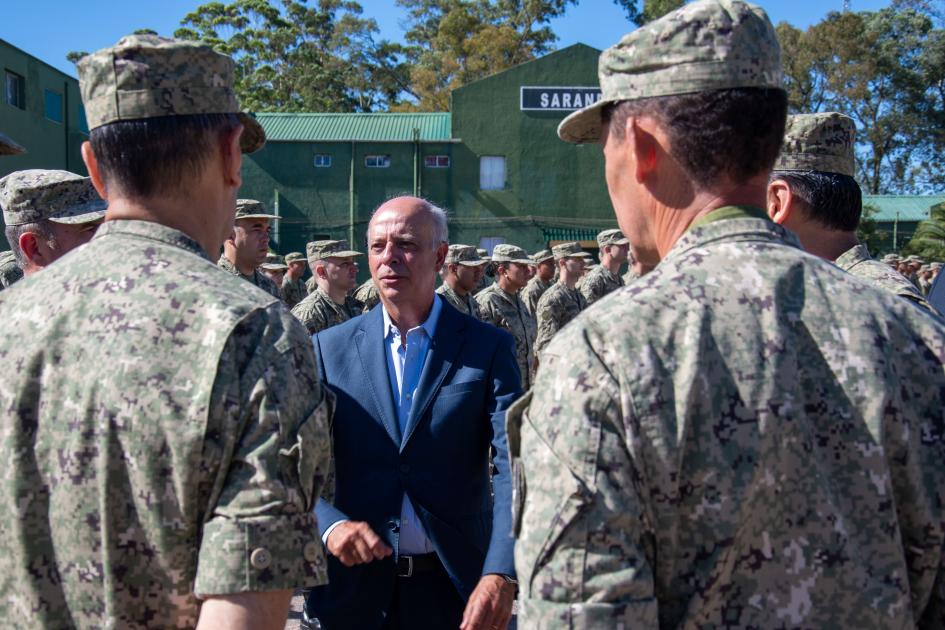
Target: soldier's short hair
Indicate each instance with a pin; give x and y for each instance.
(42, 230)
(734, 133)
(831, 199)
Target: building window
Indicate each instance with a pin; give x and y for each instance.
(53, 104)
(436, 161)
(492, 172)
(377, 161)
(16, 90)
(322, 160)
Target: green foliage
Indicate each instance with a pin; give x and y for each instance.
(868, 230)
(294, 57)
(455, 42)
(929, 238)
(651, 10)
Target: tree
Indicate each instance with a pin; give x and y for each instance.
(294, 57)
(652, 9)
(868, 231)
(454, 42)
(929, 238)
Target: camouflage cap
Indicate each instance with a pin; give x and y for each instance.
(912, 258)
(59, 196)
(9, 147)
(935, 265)
(818, 142)
(888, 258)
(274, 261)
(568, 250)
(320, 250)
(611, 237)
(542, 256)
(292, 257)
(699, 47)
(505, 253)
(146, 76)
(252, 209)
(464, 255)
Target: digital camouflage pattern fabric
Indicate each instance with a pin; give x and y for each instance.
(35, 195)
(598, 282)
(705, 45)
(558, 306)
(818, 142)
(532, 292)
(10, 272)
(506, 311)
(257, 278)
(293, 291)
(630, 276)
(146, 76)
(166, 437)
(367, 294)
(745, 437)
(464, 304)
(858, 262)
(318, 311)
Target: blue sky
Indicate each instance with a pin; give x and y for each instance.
(49, 29)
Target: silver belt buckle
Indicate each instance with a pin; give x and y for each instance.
(409, 572)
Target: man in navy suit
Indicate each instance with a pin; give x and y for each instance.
(415, 537)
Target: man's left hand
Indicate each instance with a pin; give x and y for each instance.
(490, 605)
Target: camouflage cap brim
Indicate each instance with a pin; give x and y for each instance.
(473, 263)
(347, 253)
(79, 216)
(259, 215)
(273, 266)
(584, 125)
(9, 147)
(253, 137)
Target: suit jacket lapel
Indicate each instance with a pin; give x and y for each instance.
(373, 356)
(445, 345)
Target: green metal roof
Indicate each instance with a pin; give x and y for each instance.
(385, 127)
(902, 207)
(569, 234)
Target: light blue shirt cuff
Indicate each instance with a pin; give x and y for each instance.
(330, 529)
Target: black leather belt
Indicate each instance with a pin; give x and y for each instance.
(408, 566)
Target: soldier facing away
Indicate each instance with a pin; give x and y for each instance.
(563, 301)
(248, 245)
(293, 289)
(165, 431)
(501, 306)
(747, 436)
(461, 272)
(604, 278)
(335, 273)
(543, 263)
(47, 214)
(811, 192)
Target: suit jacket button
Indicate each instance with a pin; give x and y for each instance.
(405, 468)
(392, 525)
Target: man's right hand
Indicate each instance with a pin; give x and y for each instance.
(354, 542)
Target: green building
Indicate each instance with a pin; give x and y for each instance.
(494, 162)
(41, 110)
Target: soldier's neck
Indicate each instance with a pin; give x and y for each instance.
(829, 244)
(506, 285)
(177, 214)
(610, 263)
(337, 295)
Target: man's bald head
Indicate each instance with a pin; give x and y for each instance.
(410, 207)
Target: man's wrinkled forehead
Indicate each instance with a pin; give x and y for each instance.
(405, 224)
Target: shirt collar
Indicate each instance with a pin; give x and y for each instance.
(150, 230)
(429, 326)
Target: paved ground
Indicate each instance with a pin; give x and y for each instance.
(295, 613)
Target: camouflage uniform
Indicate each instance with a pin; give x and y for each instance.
(10, 272)
(258, 278)
(858, 262)
(318, 311)
(367, 294)
(536, 286)
(558, 306)
(506, 311)
(747, 437)
(464, 304)
(293, 291)
(600, 280)
(166, 434)
(630, 277)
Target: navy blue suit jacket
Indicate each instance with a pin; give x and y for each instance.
(469, 379)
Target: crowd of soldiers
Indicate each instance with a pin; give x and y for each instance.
(744, 429)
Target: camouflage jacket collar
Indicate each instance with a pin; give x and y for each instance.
(736, 229)
(853, 256)
(225, 264)
(152, 231)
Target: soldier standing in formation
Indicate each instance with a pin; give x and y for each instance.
(293, 289)
(335, 273)
(461, 272)
(742, 439)
(811, 192)
(604, 278)
(367, 294)
(166, 434)
(501, 306)
(274, 267)
(47, 214)
(543, 263)
(563, 301)
(248, 245)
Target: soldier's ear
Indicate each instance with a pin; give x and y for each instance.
(780, 201)
(232, 156)
(91, 165)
